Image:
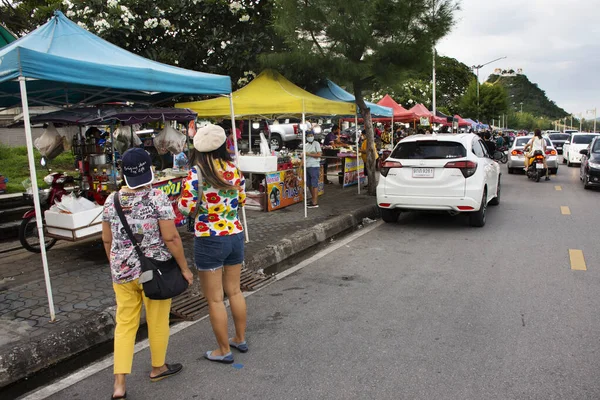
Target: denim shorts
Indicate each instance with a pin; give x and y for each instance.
(214, 252)
(312, 176)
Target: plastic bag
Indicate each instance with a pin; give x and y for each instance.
(67, 132)
(264, 145)
(50, 144)
(123, 139)
(73, 204)
(170, 140)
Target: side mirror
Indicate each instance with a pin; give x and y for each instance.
(584, 152)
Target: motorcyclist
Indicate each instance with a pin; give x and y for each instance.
(536, 143)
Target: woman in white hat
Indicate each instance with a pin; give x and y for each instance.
(219, 237)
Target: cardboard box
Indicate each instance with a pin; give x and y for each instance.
(74, 226)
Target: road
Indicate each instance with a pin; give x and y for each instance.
(428, 308)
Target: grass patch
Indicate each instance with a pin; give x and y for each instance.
(15, 167)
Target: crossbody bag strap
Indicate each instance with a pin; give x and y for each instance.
(200, 189)
(126, 226)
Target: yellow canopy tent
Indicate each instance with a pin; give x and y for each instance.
(270, 94)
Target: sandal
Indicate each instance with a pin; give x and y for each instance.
(242, 347)
(172, 369)
(226, 359)
(124, 396)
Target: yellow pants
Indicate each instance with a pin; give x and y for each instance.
(129, 310)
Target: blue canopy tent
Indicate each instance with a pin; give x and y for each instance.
(333, 92)
(60, 64)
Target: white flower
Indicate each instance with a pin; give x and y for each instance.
(151, 23)
(244, 18)
(81, 25)
(70, 13)
(235, 6)
(87, 10)
(410, 101)
(125, 20)
(223, 45)
(165, 23)
(68, 4)
(112, 3)
(176, 62)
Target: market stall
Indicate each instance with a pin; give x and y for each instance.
(271, 95)
(61, 64)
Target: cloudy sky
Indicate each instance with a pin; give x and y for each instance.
(557, 43)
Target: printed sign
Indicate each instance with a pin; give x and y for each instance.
(424, 121)
(172, 188)
(284, 188)
(353, 168)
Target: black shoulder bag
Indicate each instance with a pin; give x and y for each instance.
(161, 279)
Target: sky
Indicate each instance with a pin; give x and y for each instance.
(556, 43)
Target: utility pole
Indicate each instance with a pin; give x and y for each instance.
(571, 125)
(478, 67)
(433, 103)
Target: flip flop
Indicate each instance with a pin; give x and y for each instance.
(242, 347)
(226, 359)
(124, 396)
(172, 369)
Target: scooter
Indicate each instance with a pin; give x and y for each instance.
(28, 232)
(536, 166)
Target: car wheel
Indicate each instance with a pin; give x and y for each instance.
(276, 141)
(389, 215)
(586, 183)
(477, 218)
(496, 200)
(564, 159)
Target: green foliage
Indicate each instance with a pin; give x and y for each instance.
(15, 166)
(493, 101)
(359, 42)
(216, 36)
(453, 79)
(521, 90)
(528, 121)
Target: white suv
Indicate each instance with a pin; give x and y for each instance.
(578, 142)
(454, 173)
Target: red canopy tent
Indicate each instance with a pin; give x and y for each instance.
(421, 111)
(461, 121)
(401, 114)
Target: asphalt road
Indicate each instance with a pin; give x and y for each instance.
(428, 308)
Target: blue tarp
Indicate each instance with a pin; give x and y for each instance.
(69, 64)
(333, 92)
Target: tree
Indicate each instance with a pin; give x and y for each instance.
(493, 101)
(216, 36)
(361, 42)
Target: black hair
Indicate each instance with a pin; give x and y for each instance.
(210, 162)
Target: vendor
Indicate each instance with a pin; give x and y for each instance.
(333, 141)
(363, 150)
(231, 144)
(312, 150)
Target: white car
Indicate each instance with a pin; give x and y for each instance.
(578, 142)
(444, 172)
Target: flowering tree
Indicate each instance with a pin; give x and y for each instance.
(217, 36)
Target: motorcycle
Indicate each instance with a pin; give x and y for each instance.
(500, 155)
(28, 232)
(536, 169)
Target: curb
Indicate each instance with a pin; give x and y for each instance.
(19, 360)
(22, 359)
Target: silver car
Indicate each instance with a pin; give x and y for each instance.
(516, 159)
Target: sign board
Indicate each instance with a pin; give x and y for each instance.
(284, 188)
(172, 188)
(424, 121)
(353, 168)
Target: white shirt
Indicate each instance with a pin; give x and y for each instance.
(536, 144)
(313, 147)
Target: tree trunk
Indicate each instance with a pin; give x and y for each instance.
(366, 115)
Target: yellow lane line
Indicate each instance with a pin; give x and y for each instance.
(558, 188)
(564, 210)
(577, 260)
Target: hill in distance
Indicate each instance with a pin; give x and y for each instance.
(521, 89)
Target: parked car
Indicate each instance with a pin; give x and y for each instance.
(516, 158)
(247, 128)
(589, 172)
(444, 172)
(559, 139)
(578, 142)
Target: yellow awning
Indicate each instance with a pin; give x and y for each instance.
(270, 94)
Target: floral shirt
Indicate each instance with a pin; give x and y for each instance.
(143, 209)
(218, 212)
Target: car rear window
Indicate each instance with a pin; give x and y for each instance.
(560, 136)
(583, 139)
(523, 141)
(429, 150)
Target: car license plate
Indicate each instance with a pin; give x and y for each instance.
(539, 166)
(422, 172)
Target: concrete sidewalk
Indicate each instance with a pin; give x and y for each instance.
(83, 293)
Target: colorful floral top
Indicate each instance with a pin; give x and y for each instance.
(218, 213)
(142, 209)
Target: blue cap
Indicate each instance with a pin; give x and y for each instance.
(137, 168)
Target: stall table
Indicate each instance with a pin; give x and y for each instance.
(353, 169)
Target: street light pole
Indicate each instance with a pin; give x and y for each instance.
(478, 67)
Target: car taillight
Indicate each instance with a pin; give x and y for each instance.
(387, 165)
(467, 168)
(551, 152)
(517, 152)
(295, 129)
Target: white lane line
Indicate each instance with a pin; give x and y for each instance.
(107, 361)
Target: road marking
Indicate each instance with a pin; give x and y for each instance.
(558, 188)
(577, 260)
(107, 361)
(564, 210)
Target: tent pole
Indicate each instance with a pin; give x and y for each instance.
(392, 131)
(304, 160)
(249, 137)
(36, 195)
(237, 157)
(114, 157)
(357, 150)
